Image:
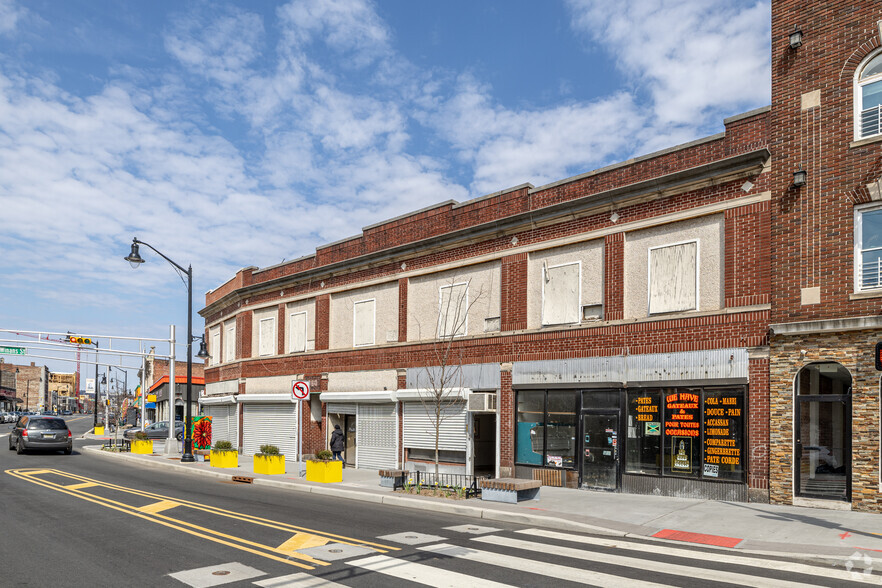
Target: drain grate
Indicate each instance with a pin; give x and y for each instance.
(243, 479)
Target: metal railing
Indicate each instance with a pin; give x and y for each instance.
(455, 482)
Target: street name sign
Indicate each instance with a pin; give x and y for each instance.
(12, 350)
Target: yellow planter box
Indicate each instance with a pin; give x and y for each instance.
(224, 459)
(99, 430)
(324, 471)
(142, 446)
(269, 464)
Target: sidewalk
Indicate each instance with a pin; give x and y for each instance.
(780, 530)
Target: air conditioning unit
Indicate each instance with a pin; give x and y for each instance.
(482, 402)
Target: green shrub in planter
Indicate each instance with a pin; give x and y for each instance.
(141, 436)
(323, 455)
(268, 450)
(223, 446)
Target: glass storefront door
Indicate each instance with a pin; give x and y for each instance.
(600, 450)
(822, 452)
(822, 445)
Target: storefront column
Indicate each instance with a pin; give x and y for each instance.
(506, 426)
(758, 427)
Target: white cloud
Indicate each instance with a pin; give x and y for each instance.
(507, 147)
(696, 61)
(10, 14)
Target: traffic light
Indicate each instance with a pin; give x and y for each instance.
(879, 356)
(79, 340)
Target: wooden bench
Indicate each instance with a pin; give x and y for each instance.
(391, 478)
(511, 490)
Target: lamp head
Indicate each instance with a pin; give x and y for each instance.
(203, 352)
(795, 38)
(134, 257)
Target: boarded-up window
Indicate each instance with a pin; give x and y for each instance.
(297, 330)
(673, 281)
(561, 294)
(363, 322)
(453, 311)
(267, 336)
(214, 351)
(230, 342)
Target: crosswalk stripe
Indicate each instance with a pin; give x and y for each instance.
(299, 580)
(719, 557)
(538, 567)
(634, 562)
(415, 572)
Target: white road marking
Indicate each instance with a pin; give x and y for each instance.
(217, 575)
(415, 572)
(782, 566)
(300, 580)
(541, 568)
(637, 563)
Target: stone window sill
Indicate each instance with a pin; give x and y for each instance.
(865, 295)
(867, 141)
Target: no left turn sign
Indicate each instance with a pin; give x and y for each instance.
(300, 389)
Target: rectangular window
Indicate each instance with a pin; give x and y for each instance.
(546, 428)
(724, 434)
(643, 454)
(531, 427)
(686, 432)
(453, 310)
(267, 336)
(364, 319)
(673, 278)
(562, 294)
(297, 332)
(868, 248)
(230, 341)
(215, 346)
(682, 431)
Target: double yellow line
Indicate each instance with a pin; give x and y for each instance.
(78, 486)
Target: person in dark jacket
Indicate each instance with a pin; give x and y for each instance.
(337, 443)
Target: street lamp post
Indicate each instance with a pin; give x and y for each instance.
(134, 258)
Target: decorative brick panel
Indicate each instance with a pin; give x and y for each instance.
(402, 309)
(243, 334)
(506, 425)
(322, 322)
(514, 292)
(614, 277)
(280, 331)
(747, 268)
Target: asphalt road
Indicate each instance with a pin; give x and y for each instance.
(85, 520)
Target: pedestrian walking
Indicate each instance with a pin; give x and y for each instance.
(337, 443)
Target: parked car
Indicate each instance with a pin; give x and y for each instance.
(40, 432)
(157, 431)
(66, 413)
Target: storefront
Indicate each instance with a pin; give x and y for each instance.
(370, 422)
(224, 414)
(683, 438)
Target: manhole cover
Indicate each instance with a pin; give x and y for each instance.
(220, 573)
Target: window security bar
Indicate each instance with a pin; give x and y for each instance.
(871, 274)
(871, 121)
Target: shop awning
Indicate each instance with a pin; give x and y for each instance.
(410, 394)
(365, 396)
(229, 399)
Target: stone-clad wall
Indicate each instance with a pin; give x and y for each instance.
(854, 350)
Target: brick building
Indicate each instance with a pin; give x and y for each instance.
(30, 385)
(614, 331)
(826, 239)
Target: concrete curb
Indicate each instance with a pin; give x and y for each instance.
(813, 553)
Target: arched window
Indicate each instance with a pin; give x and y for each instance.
(868, 98)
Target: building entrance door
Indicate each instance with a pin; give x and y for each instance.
(349, 431)
(600, 450)
(822, 451)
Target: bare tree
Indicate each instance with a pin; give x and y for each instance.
(440, 397)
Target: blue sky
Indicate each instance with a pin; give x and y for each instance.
(230, 134)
